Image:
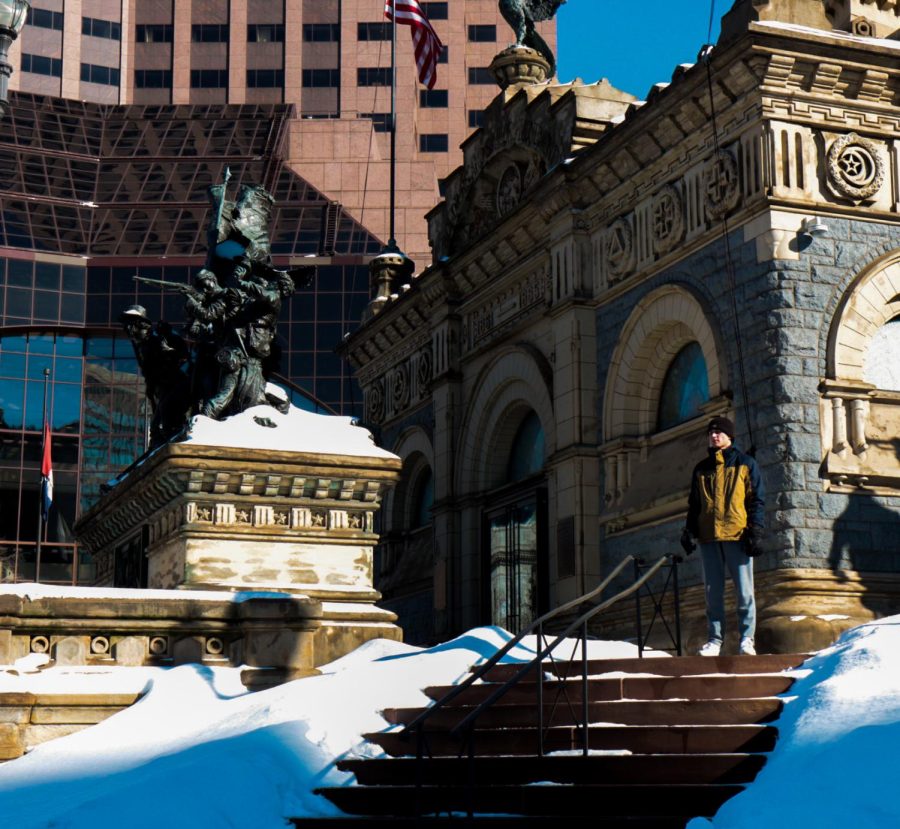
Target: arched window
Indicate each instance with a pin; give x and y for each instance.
(526, 457)
(882, 362)
(423, 500)
(685, 387)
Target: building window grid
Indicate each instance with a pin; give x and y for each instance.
(265, 78)
(435, 10)
(209, 32)
(107, 75)
(96, 27)
(434, 98)
(265, 33)
(435, 142)
(153, 78)
(373, 76)
(209, 78)
(41, 65)
(321, 78)
(373, 31)
(482, 33)
(44, 19)
(321, 32)
(153, 33)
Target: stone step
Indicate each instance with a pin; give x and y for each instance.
(712, 687)
(625, 712)
(662, 666)
(638, 799)
(656, 768)
(28, 719)
(639, 739)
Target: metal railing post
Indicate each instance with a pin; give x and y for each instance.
(540, 691)
(637, 603)
(677, 604)
(584, 691)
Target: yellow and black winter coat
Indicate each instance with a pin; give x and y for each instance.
(726, 497)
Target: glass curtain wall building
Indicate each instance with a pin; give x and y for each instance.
(90, 196)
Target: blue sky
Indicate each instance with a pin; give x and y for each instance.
(633, 43)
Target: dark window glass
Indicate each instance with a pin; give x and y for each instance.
(46, 305)
(72, 278)
(265, 78)
(373, 31)
(373, 76)
(108, 75)
(380, 120)
(444, 56)
(209, 32)
(265, 33)
(433, 98)
(481, 75)
(46, 276)
(434, 11)
(321, 77)
(153, 33)
(20, 273)
(483, 33)
(45, 19)
(209, 78)
(423, 500)
(40, 65)
(526, 457)
(476, 118)
(72, 308)
(94, 27)
(434, 142)
(685, 388)
(153, 78)
(321, 32)
(18, 303)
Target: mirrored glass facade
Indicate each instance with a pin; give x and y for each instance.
(90, 196)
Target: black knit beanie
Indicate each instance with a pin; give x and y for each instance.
(723, 425)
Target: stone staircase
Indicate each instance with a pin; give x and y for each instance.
(669, 739)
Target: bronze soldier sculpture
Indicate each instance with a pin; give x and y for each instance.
(232, 310)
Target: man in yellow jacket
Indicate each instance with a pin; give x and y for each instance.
(726, 515)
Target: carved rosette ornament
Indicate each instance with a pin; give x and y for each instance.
(720, 185)
(619, 248)
(509, 190)
(667, 214)
(375, 402)
(400, 388)
(854, 166)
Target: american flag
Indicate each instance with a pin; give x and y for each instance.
(427, 44)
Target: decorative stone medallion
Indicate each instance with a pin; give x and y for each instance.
(375, 402)
(855, 169)
(720, 185)
(620, 248)
(667, 215)
(509, 190)
(400, 387)
(423, 371)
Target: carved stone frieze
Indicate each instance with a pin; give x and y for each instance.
(668, 219)
(375, 402)
(503, 308)
(400, 387)
(721, 185)
(854, 168)
(619, 248)
(424, 371)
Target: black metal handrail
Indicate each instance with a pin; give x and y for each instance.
(477, 674)
(657, 600)
(467, 724)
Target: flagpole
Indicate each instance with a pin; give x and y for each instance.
(392, 241)
(44, 436)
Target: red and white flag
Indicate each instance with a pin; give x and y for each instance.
(46, 477)
(426, 43)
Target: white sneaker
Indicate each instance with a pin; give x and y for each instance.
(747, 648)
(711, 648)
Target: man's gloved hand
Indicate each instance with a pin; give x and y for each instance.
(751, 539)
(687, 543)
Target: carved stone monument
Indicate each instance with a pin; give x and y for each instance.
(242, 493)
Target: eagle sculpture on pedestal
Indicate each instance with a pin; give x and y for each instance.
(522, 15)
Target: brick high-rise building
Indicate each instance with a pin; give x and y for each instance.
(329, 58)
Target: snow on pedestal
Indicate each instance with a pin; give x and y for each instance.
(260, 501)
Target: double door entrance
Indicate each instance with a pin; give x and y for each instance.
(516, 560)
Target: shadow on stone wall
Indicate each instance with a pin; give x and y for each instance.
(865, 549)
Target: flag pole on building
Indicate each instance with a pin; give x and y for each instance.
(392, 264)
(46, 496)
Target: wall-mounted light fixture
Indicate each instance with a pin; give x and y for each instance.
(12, 19)
(812, 228)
